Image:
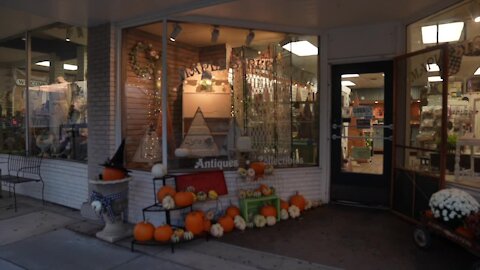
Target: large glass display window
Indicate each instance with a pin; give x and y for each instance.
(12, 92)
(58, 105)
(43, 103)
(234, 96)
(460, 27)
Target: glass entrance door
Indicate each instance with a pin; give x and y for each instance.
(361, 132)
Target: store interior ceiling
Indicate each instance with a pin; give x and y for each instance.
(199, 35)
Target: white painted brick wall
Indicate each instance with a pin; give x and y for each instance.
(286, 181)
(101, 96)
(65, 182)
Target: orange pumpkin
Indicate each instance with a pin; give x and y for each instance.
(143, 231)
(164, 191)
(183, 199)
(110, 173)
(163, 233)
(266, 191)
(284, 205)
(232, 211)
(194, 222)
(465, 232)
(429, 214)
(259, 168)
(227, 223)
(268, 211)
(207, 224)
(298, 200)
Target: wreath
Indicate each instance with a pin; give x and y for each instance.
(152, 56)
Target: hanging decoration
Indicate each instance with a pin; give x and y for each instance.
(146, 71)
(150, 149)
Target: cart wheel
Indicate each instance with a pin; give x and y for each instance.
(475, 266)
(422, 237)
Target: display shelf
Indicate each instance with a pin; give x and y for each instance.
(157, 207)
(171, 244)
(251, 206)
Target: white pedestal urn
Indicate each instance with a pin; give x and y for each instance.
(110, 200)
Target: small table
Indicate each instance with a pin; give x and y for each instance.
(251, 206)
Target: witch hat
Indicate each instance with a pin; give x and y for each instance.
(117, 160)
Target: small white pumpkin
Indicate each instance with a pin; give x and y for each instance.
(168, 202)
(182, 152)
(188, 235)
(259, 221)
(239, 223)
(308, 204)
(242, 172)
(210, 214)
(283, 214)
(251, 172)
(293, 211)
(250, 225)
(174, 238)
(97, 207)
(271, 220)
(242, 194)
(257, 194)
(216, 230)
(158, 170)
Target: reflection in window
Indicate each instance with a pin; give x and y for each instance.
(58, 93)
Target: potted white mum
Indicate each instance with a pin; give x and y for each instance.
(452, 206)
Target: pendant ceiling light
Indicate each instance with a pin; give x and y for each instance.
(176, 31)
(215, 34)
(250, 37)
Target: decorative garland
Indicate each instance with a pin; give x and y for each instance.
(152, 56)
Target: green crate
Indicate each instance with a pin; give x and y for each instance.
(251, 206)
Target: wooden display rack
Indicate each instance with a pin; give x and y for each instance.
(157, 207)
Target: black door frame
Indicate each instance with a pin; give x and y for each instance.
(367, 189)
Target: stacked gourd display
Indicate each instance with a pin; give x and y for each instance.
(195, 222)
(199, 222)
(267, 215)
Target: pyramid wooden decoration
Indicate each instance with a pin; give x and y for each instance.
(199, 140)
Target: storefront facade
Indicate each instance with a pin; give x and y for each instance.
(221, 95)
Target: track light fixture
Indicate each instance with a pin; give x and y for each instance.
(215, 34)
(250, 37)
(176, 31)
(68, 34)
